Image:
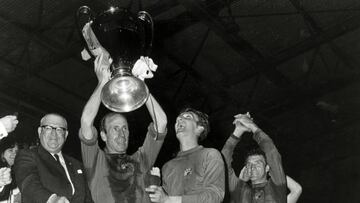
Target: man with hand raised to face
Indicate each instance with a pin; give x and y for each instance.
(45, 174)
(263, 168)
(196, 174)
(115, 176)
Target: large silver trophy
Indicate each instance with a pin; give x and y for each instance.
(126, 37)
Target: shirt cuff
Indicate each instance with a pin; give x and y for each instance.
(236, 138)
(3, 132)
(51, 198)
(154, 134)
(91, 142)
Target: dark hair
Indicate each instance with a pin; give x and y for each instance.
(254, 152)
(108, 115)
(203, 120)
(7, 143)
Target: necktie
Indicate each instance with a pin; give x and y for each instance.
(58, 159)
(66, 172)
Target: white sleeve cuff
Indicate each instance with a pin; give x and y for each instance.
(51, 198)
(3, 132)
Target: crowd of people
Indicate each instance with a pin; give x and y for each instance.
(196, 175)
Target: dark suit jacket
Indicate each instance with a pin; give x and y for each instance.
(38, 176)
(5, 193)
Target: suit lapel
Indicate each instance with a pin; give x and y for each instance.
(50, 160)
(71, 169)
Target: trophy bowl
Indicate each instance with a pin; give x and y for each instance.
(126, 37)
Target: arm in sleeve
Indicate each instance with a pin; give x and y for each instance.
(88, 197)
(295, 190)
(151, 147)
(157, 114)
(89, 113)
(27, 178)
(89, 151)
(273, 157)
(227, 151)
(214, 181)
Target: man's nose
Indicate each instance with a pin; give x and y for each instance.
(121, 133)
(53, 133)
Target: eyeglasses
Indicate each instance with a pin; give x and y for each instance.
(49, 128)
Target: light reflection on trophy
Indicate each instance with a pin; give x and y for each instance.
(126, 37)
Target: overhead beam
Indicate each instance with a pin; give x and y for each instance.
(32, 103)
(318, 39)
(235, 41)
(310, 96)
(315, 28)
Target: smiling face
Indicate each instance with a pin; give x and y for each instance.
(186, 126)
(116, 134)
(52, 132)
(10, 154)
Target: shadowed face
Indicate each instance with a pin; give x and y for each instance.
(258, 168)
(116, 136)
(52, 132)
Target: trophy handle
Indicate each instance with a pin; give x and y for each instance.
(84, 17)
(146, 18)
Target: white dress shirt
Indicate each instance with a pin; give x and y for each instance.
(62, 162)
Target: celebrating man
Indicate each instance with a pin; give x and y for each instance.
(45, 174)
(196, 174)
(259, 165)
(115, 176)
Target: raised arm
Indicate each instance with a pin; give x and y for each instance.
(295, 190)
(266, 144)
(101, 68)
(157, 114)
(228, 151)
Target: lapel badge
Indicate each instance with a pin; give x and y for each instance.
(187, 171)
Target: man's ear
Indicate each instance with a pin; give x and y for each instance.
(66, 134)
(39, 131)
(103, 136)
(199, 129)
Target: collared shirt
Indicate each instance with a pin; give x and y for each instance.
(63, 164)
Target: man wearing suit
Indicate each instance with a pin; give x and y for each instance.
(44, 174)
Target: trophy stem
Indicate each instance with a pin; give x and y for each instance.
(120, 70)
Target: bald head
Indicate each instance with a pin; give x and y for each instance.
(53, 132)
(54, 118)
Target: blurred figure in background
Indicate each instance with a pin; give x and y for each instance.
(7, 124)
(8, 150)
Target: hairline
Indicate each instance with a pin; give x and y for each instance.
(53, 114)
(110, 115)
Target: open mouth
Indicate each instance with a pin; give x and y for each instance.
(180, 127)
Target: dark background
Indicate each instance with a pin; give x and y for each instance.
(293, 64)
